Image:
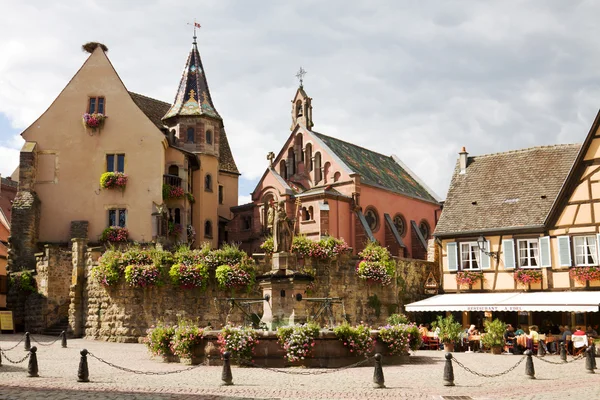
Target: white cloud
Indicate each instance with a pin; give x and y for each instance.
(244, 199)
(410, 79)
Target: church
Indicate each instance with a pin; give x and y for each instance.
(103, 163)
(332, 187)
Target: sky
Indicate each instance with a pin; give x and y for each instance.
(415, 79)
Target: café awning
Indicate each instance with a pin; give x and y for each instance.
(583, 301)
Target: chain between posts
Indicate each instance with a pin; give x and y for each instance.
(46, 343)
(579, 357)
(319, 372)
(488, 375)
(20, 341)
(12, 361)
(138, 372)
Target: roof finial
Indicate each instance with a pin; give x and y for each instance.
(196, 25)
(300, 75)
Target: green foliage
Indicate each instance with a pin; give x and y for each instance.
(185, 255)
(189, 276)
(303, 246)
(374, 302)
(136, 255)
(374, 252)
(397, 319)
(267, 246)
(23, 282)
(239, 341)
(298, 340)
(229, 254)
(158, 339)
(494, 333)
(142, 275)
(358, 339)
(450, 330)
(376, 264)
(108, 270)
(400, 338)
(187, 335)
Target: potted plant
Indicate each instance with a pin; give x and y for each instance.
(449, 331)
(494, 335)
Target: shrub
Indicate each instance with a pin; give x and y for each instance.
(113, 180)
(136, 255)
(239, 341)
(23, 282)
(187, 256)
(229, 254)
(357, 339)
(142, 275)
(108, 270)
(450, 330)
(172, 192)
(329, 248)
(114, 234)
(185, 337)
(158, 339)
(303, 246)
(399, 339)
(298, 340)
(230, 277)
(397, 319)
(189, 276)
(267, 246)
(162, 258)
(376, 264)
(494, 333)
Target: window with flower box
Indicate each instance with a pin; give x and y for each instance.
(117, 217)
(469, 256)
(96, 105)
(115, 163)
(528, 253)
(586, 251)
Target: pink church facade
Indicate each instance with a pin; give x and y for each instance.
(331, 187)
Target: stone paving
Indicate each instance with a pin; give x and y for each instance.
(422, 379)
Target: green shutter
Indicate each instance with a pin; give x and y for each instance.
(564, 251)
(545, 256)
(452, 254)
(508, 250)
(485, 259)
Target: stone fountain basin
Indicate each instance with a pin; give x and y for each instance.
(328, 352)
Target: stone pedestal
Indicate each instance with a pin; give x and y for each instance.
(283, 261)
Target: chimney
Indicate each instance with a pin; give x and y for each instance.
(462, 158)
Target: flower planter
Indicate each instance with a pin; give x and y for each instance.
(496, 349)
(449, 347)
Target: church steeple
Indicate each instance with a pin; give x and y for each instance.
(301, 105)
(193, 97)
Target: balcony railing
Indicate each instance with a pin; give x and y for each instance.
(172, 180)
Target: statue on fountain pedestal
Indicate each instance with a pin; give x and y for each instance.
(282, 230)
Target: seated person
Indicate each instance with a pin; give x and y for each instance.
(535, 338)
(554, 346)
(591, 332)
(519, 332)
(474, 344)
(509, 336)
(423, 332)
(578, 332)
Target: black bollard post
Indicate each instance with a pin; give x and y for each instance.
(378, 379)
(32, 367)
(541, 352)
(0, 357)
(63, 339)
(448, 371)
(83, 373)
(589, 361)
(529, 370)
(593, 347)
(563, 352)
(27, 342)
(226, 376)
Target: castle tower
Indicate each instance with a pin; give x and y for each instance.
(196, 126)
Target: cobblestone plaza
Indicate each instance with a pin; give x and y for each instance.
(421, 379)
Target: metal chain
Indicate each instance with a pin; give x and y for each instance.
(46, 343)
(15, 362)
(318, 372)
(133, 371)
(20, 341)
(579, 357)
(488, 375)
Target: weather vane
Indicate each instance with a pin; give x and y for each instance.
(196, 25)
(300, 75)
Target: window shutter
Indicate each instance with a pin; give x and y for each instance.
(485, 259)
(508, 249)
(452, 254)
(545, 256)
(564, 251)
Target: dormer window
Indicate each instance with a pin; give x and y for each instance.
(191, 137)
(96, 105)
(209, 138)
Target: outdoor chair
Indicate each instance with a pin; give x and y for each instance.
(433, 342)
(580, 343)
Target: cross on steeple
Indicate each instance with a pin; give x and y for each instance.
(270, 157)
(300, 75)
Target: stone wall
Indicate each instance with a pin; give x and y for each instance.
(122, 313)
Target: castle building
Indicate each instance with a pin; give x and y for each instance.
(8, 191)
(181, 178)
(332, 187)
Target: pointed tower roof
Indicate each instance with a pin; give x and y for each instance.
(193, 96)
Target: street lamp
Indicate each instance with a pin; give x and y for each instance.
(482, 243)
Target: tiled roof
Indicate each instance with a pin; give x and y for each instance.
(376, 169)
(193, 96)
(154, 109)
(515, 189)
(226, 161)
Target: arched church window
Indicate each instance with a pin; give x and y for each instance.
(191, 135)
(311, 213)
(173, 170)
(326, 168)
(318, 172)
(424, 228)
(208, 229)
(208, 183)
(400, 224)
(292, 161)
(308, 157)
(305, 214)
(209, 138)
(283, 169)
(298, 147)
(372, 218)
(299, 108)
(337, 176)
